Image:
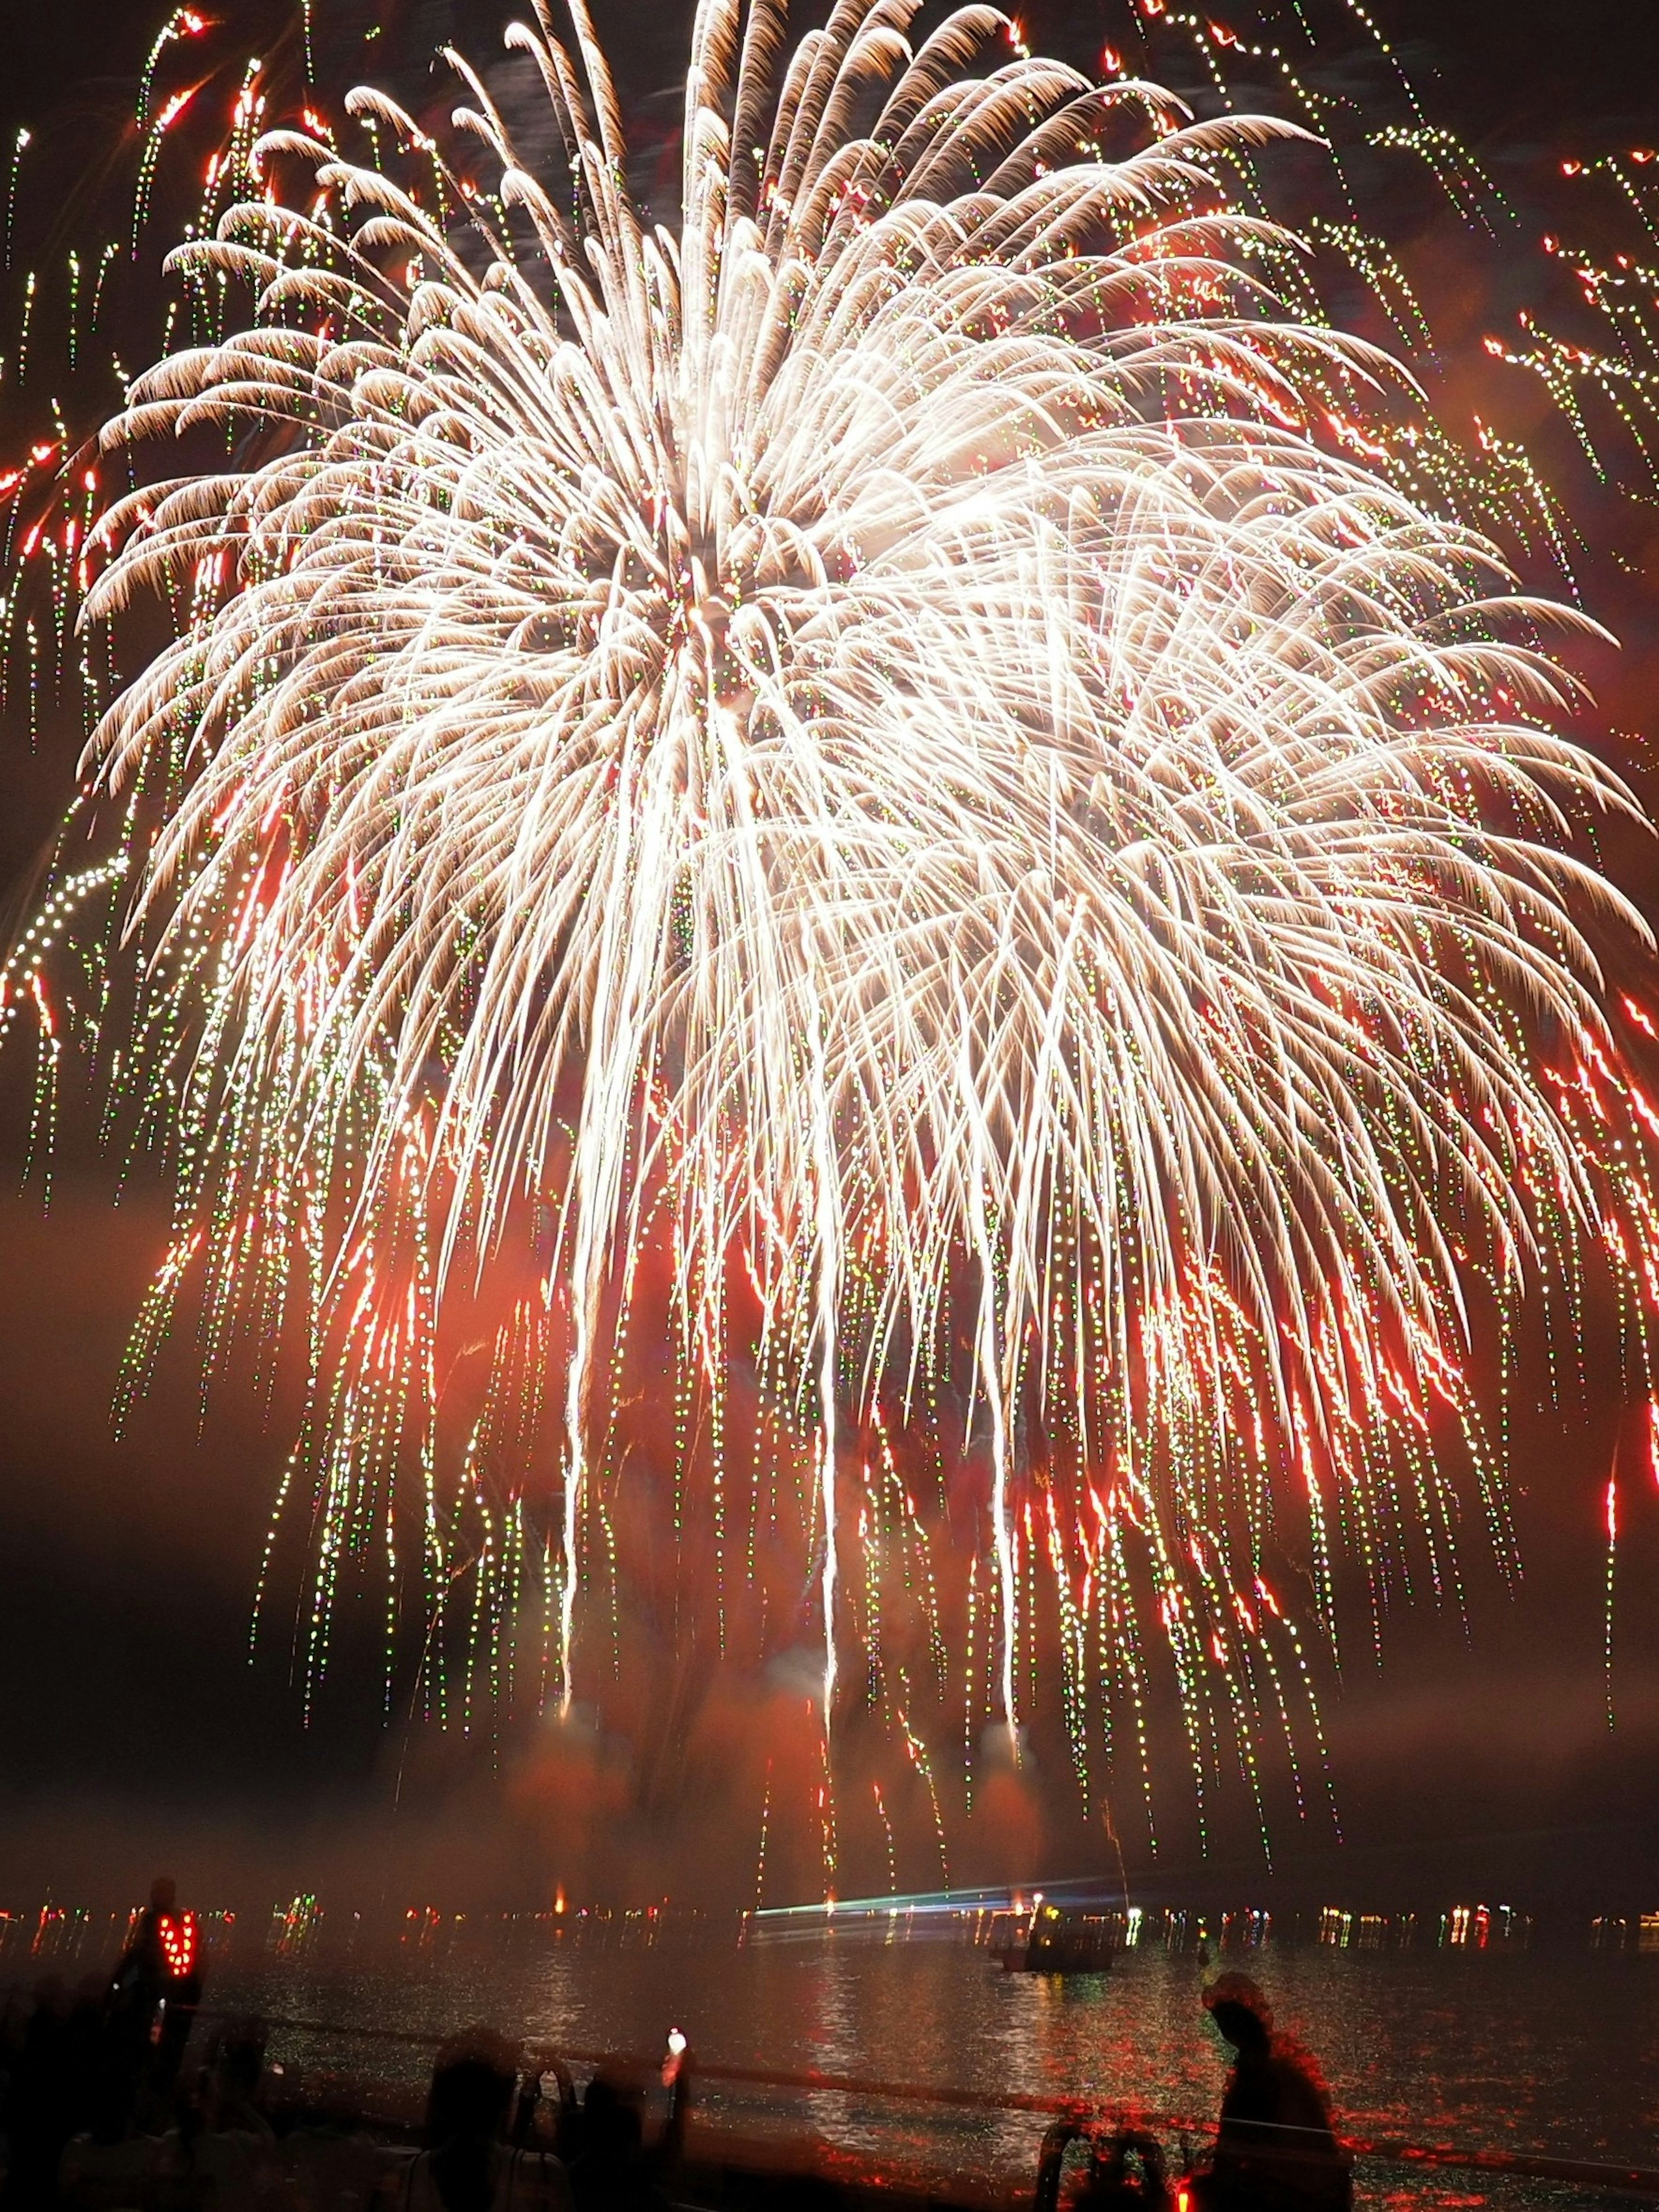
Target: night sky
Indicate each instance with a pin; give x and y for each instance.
(133, 1726)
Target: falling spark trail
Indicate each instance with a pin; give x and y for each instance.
(19, 144)
(910, 755)
(1613, 1556)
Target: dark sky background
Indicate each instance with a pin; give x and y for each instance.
(133, 1726)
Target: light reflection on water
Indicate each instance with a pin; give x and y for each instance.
(1546, 2050)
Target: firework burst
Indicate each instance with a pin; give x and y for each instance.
(913, 747)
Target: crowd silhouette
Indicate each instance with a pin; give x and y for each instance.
(121, 2095)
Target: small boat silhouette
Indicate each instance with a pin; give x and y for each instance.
(1051, 1941)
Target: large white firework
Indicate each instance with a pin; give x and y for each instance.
(910, 741)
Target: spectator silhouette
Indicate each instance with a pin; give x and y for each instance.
(613, 2169)
(44, 2095)
(468, 2166)
(108, 2165)
(154, 1993)
(219, 2150)
(545, 2123)
(236, 2069)
(617, 2167)
(1275, 2150)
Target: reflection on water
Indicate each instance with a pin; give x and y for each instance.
(1543, 2050)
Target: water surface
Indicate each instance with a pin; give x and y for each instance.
(1547, 2050)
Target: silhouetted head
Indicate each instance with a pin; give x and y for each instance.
(613, 2122)
(240, 2056)
(1242, 2015)
(472, 2085)
(163, 1893)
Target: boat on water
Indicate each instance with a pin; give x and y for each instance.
(1049, 1940)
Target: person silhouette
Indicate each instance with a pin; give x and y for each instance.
(617, 2170)
(613, 2172)
(1275, 2149)
(154, 1993)
(40, 2111)
(469, 2166)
